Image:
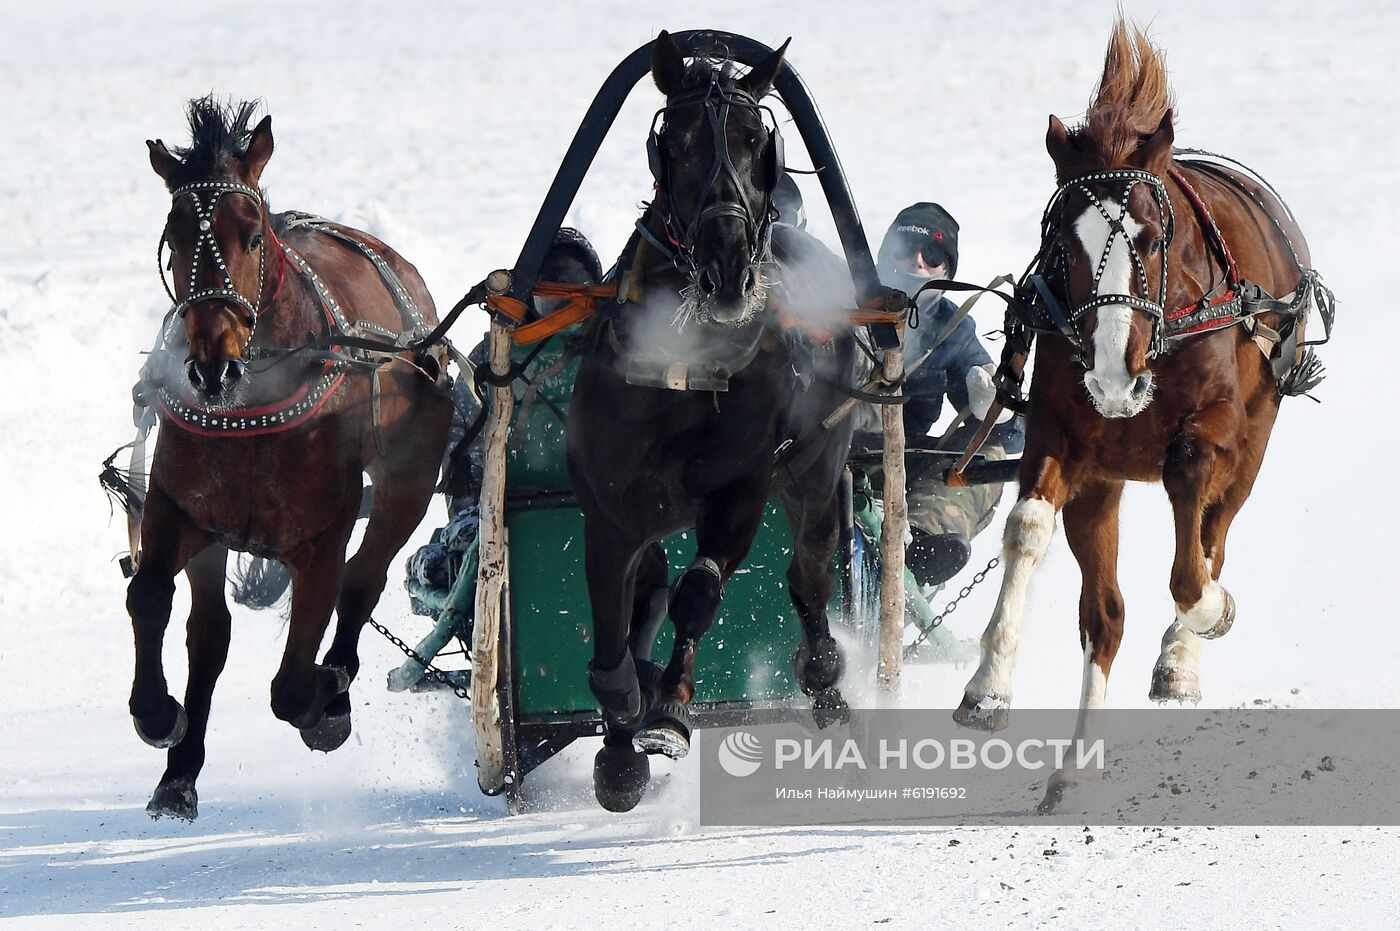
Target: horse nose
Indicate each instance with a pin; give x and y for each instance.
(714, 282)
(234, 369)
(1140, 386)
(711, 279)
(193, 373)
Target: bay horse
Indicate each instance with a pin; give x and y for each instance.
(264, 452)
(1165, 360)
(693, 406)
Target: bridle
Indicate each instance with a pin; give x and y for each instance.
(717, 99)
(204, 213)
(1050, 260)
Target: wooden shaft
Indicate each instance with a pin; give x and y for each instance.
(892, 532)
(491, 575)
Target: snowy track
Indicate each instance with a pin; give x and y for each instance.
(438, 127)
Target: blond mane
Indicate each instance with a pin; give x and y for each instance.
(1132, 96)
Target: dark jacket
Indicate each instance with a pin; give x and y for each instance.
(945, 373)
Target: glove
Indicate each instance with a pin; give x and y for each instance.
(982, 391)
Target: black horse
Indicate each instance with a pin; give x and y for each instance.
(694, 405)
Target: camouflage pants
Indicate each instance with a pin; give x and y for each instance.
(936, 508)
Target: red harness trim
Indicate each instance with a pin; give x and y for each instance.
(1232, 277)
(1225, 298)
(281, 268)
(297, 421)
(275, 407)
(1208, 227)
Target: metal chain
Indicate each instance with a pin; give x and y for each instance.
(429, 670)
(950, 607)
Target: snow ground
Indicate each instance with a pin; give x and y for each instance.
(438, 126)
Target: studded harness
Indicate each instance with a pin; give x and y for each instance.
(1231, 301)
(186, 411)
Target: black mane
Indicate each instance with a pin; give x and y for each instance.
(218, 131)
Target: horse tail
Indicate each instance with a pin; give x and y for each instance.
(259, 583)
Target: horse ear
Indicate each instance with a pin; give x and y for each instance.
(759, 81)
(161, 160)
(259, 149)
(667, 64)
(1157, 149)
(1058, 143)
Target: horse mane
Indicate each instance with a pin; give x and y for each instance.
(218, 132)
(1132, 96)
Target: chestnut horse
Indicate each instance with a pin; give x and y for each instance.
(1152, 371)
(263, 451)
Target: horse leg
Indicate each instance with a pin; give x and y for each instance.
(301, 690)
(1195, 464)
(1220, 515)
(168, 541)
(401, 498)
(206, 641)
(986, 703)
(817, 661)
(649, 603)
(611, 560)
(725, 526)
(1091, 527)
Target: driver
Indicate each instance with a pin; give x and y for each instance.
(921, 245)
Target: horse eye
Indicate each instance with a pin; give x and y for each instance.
(1155, 247)
(256, 241)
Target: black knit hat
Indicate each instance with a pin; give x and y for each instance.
(929, 228)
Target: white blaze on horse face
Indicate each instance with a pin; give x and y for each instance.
(1029, 528)
(1114, 391)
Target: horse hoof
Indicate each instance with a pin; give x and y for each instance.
(620, 777)
(666, 731)
(984, 713)
(341, 676)
(817, 669)
(173, 736)
(664, 739)
(1227, 620)
(176, 799)
(829, 707)
(1054, 794)
(328, 733)
(1174, 683)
